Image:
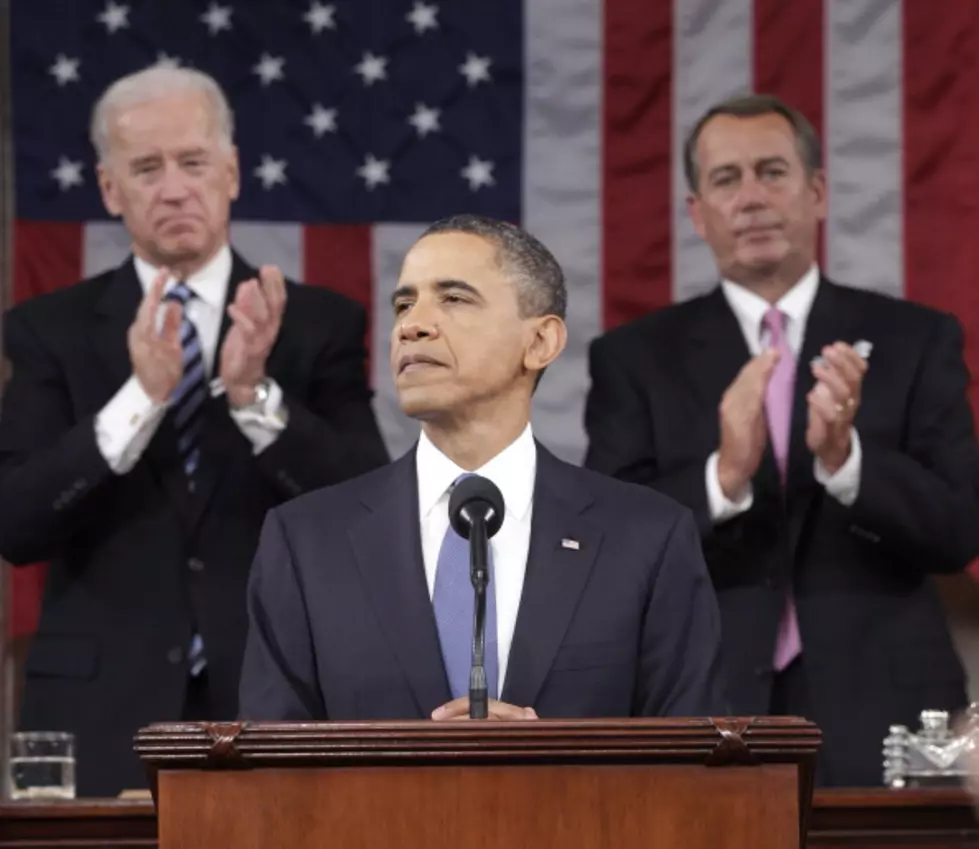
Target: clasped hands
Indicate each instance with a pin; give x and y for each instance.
(833, 403)
(256, 315)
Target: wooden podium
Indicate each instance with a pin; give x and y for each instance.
(691, 784)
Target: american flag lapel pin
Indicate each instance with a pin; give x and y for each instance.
(573, 544)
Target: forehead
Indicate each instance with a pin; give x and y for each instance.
(728, 139)
(175, 121)
(451, 256)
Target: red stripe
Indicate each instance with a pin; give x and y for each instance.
(47, 256)
(941, 163)
(788, 55)
(340, 257)
(638, 159)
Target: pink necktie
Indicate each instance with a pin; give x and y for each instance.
(778, 407)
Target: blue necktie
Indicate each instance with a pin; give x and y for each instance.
(188, 398)
(454, 601)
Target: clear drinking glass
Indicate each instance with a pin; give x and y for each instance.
(42, 765)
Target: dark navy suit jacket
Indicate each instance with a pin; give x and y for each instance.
(341, 625)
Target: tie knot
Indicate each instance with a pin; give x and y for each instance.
(774, 323)
(181, 293)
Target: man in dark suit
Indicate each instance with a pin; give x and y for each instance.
(360, 603)
(826, 492)
(143, 482)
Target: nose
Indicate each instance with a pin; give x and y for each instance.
(752, 194)
(173, 187)
(412, 329)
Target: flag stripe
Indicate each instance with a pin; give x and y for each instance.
(863, 144)
(562, 193)
(941, 162)
(47, 256)
(637, 125)
(713, 61)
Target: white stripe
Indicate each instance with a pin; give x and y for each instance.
(864, 115)
(562, 193)
(105, 244)
(389, 245)
(713, 58)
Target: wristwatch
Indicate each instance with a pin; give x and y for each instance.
(262, 390)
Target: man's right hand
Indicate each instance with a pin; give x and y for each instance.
(156, 355)
(744, 432)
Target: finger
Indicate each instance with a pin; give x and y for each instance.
(240, 318)
(150, 305)
(849, 363)
(274, 285)
(170, 331)
(823, 405)
(258, 304)
(507, 712)
(450, 710)
(833, 380)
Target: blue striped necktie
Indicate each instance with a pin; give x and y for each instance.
(187, 400)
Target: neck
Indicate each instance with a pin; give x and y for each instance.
(773, 283)
(471, 444)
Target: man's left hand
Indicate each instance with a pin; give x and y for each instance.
(459, 709)
(833, 404)
(257, 316)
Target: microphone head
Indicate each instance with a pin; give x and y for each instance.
(473, 498)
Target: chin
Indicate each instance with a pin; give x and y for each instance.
(423, 402)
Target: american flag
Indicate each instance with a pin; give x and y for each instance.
(358, 121)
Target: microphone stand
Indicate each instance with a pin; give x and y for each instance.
(479, 574)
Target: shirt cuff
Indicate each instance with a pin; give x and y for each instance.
(263, 423)
(844, 485)
(720, 506)
(125, 426)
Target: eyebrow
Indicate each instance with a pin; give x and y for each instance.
(440, 286)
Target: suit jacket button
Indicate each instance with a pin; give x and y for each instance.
(175, 655)
(195, 564)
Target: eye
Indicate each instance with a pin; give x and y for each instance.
(773, 171)
(400, 307)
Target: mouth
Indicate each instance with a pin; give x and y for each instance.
(759, 230)
(417, 362)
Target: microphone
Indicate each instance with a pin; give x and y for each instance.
(476, 514)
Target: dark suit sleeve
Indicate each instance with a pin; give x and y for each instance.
(50, 465)
(334, 436)
(621, 442)
(680, 668)
(278, 675)
(923, 502)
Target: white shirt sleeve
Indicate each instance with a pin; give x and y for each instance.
(844, 486)
(125, 426)
(721, 507)
(262, 425)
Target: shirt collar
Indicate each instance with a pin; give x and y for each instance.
(209, 283)
(750, 308)
(513, 470)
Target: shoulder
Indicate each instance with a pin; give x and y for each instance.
(70, 305)
(889, 308)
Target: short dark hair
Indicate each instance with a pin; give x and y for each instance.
(536, 273)
(750, 106)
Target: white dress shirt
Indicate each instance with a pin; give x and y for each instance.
(125, 426)
(514, 471)
(750, 309)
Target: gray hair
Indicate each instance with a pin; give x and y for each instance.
(750, 106)
(523, 258)
(153, 83)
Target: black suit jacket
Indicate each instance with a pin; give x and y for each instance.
(341, 625)
(136, 563)
(876, 644)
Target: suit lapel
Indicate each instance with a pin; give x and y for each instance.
(387, 547)
(555, 578)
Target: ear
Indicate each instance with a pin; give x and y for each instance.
(234, 173)
(550, 336)
(817, 185)
(109, 189)
(695, 213)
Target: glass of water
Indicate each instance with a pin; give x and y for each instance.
(42, 765)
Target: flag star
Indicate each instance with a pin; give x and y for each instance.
(475, 69)
(320, 17)
(422, 18)
(478, 173)
(269, 68)
(271, 171)
(425, 120)
(165, 61)
(321, 120)
(65, 70)
(374, 171)
(372, 68)
(68, 173)
(217, 18)
(114, 17)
